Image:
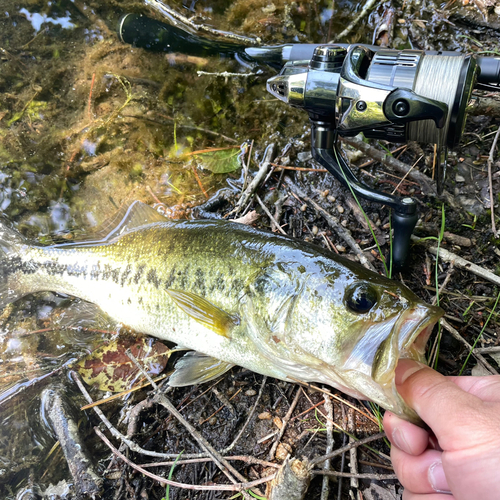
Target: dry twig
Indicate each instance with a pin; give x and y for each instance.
(118, 435)
(250, 415)
(176, 18)
(455, 334)
(490, 182)
(441, 289)
(219, 487)
(285, 422)
(274, 223)
(325, 487)
(353, 457)
(242, 458)
(345, 448)
(219, 460)
(366, 8)
(448, 256)
(252, 187)
(378, 477)
(422, 180)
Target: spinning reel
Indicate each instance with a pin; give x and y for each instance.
(394, 95)
(386, 94)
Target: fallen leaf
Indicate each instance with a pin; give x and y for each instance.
(110, 369)
(221, 161)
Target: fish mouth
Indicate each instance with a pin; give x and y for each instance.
(407, 339)
(415, 329)
(371, 365)
(410, 333)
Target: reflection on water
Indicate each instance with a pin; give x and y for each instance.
(37, 20)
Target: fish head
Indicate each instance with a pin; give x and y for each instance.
(375, 322)
(348, 327)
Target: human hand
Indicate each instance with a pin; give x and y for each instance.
(460, 457)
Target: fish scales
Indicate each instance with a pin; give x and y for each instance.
(244, 297)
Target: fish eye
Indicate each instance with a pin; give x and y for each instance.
(361, 297)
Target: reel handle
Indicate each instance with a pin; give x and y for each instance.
(403, 225)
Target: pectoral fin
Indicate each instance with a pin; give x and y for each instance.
(196, 368)
(205, 312)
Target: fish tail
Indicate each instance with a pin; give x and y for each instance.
(11, 245)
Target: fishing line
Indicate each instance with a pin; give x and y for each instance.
(438, 79)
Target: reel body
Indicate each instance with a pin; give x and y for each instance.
(386, 94)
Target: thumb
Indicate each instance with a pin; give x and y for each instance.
(448, 410)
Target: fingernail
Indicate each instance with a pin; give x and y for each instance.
(437, 479)
(406, 368)
(399, 440)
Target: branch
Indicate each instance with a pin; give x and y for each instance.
(332, 222)
(261, 174)
(490, 182)
(448, 256)
(224, 487)
(366, 8)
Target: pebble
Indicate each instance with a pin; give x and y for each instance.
(459, 178)
(277, 422)
(265, 415)
(250, 392)
(213, 421)
(340, 248)
(283, 450)
(304, 156)
(315, 230)
(340, 209)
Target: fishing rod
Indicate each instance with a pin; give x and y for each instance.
(388, 94)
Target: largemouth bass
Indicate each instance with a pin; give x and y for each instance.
(235, 296)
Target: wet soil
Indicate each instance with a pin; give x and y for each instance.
(88, 123)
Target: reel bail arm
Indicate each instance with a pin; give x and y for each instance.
(325, 151)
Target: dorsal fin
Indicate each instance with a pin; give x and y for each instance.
(128, 217)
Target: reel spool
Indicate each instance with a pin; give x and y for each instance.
(443, 78)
